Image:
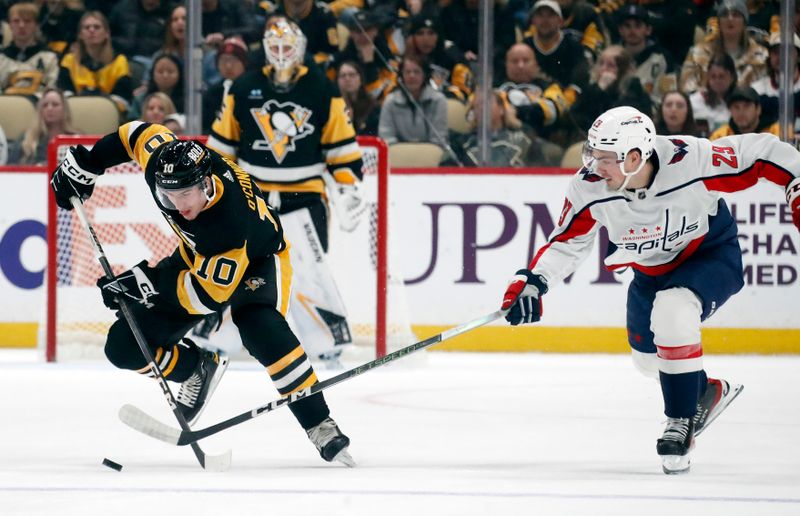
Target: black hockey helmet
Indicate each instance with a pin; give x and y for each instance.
(181, 164)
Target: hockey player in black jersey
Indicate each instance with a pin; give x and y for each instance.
(286, 125)
(232, 253)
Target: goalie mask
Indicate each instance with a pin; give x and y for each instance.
(285, 47)
(620, 130)
(181, 164)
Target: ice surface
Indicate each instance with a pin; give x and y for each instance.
(459, 434)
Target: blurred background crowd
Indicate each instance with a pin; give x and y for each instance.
(406, 68)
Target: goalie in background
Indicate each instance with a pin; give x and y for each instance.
(232, 253)
(659, 198)
(286, 125)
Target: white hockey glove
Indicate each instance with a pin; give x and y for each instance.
(523, 297)
(135, 283)
(793, 198)
(349, 203)
(74, 177)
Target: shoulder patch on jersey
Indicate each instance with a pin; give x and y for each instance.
(679, 152)
(227, 175)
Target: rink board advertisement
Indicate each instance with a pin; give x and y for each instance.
(23, 255)
(458, 238)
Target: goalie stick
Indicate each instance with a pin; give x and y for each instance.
(143, 422)
(209, 462)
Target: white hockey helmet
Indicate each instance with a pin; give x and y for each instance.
(621, 130)
(285, 47)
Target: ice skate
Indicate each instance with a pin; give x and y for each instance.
(719, 394)
(675, 445)
(331, 442)
(196, 390)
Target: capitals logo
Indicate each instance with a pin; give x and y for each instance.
(281, 125)
(679, 151)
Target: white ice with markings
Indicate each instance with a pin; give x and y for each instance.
(455, 434)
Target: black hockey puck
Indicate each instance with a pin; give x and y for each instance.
(111, 464)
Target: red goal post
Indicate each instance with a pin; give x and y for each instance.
(131, 229)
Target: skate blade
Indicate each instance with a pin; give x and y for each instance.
(345, 458)
(675, 464)
(735, 390)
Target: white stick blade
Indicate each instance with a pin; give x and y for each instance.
(146, 424)
(218, 463)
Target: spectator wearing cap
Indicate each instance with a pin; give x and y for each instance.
(364, 48)
(166, 76)
(709, 102)
(673, 22)
(27, 66)
(767, 86)
(653, 65)
(582, 23)
(231, 64)
(560, 56)
(318, 24)
(745, 108)
(732, 39)
(450, 70)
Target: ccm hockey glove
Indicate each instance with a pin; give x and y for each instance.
(74, 177)
(793, 198)
(135, 283)
(523, 297)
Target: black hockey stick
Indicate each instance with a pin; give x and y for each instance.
(143, 422)
(210, 462)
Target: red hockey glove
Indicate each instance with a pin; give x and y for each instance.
(523, 297)
(793, 198)
(136, 284)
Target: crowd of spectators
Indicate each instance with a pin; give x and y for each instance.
(702, 67)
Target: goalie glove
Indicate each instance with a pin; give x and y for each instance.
(135, 283)
(793, 198)
(74, 177)
(348, 201)
(523, 297)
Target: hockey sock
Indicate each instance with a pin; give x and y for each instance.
(681, 392)
(176, 363)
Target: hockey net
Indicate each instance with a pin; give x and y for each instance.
(132, 229)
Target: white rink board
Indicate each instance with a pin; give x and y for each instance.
(23, 245)
(443, 297)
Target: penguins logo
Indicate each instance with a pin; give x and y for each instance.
(253, 283)
(281, 125)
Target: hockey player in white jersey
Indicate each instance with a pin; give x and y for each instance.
(659, 199)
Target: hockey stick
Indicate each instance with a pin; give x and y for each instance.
(210, 462)
(139, 420)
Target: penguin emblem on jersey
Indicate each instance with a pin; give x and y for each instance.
(281, 125)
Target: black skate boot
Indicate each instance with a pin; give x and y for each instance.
(331, 442)
(675, 445)
(196, 390)
(719, 394)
